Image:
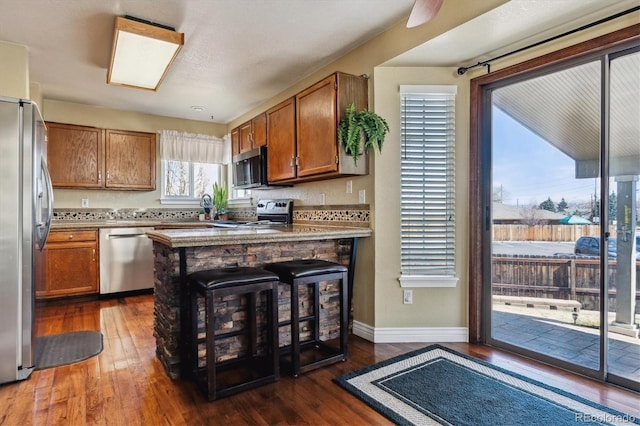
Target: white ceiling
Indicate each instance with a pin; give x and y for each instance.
(512, 26)
(239, 53)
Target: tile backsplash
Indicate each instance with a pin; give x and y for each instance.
(348, 215)
(124, 214)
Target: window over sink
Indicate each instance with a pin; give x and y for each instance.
(191, 164)
(184, 181)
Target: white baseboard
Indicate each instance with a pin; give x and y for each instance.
(410, 334)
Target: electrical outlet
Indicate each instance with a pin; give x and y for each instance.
(85, 202)
(407, 297)
(349, 186)
(322, 199)
(361, 196)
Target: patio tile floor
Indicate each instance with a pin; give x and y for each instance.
(562, 340)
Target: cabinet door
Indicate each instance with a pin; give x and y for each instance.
(316, 127)
(130, 160)
(69, 264)
(75, 156)
(281, 141)
(235, 141)
(245, 137)
(259, 131)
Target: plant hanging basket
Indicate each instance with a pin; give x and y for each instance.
(360, 132)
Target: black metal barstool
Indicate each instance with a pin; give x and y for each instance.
(217, 378)
(312, 272)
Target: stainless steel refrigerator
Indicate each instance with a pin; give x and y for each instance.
(26, 208)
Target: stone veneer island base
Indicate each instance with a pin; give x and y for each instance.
(179, 253)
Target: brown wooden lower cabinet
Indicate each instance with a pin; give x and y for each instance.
(68, 265)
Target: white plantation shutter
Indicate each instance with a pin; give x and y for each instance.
(427, 185)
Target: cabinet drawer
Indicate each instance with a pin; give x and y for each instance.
(66, 236)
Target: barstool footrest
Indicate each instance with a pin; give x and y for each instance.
(238, 375)
(313, 354)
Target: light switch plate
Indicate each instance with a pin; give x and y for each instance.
(85, 202)
(361, 196)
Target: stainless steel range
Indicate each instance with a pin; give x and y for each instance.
(269, 212)
(273, 212)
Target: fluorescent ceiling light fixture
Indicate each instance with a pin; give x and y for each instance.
(142, 53)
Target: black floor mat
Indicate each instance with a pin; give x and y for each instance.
(66, 348)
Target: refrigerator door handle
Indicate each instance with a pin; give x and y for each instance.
(47, 225)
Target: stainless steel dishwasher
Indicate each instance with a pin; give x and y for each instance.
(126, 260)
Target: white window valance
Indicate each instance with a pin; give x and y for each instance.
(194, 148)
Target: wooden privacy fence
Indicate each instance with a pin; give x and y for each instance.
(543, 232)
(556, 277)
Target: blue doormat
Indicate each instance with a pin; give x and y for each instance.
(436, 385)
(66, 348)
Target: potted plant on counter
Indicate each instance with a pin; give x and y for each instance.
(359, 132)
(220, 193)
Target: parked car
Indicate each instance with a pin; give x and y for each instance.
(591, 246)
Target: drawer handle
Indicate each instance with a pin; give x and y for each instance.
(70, 236)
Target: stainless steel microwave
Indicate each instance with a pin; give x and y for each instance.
(250, 169)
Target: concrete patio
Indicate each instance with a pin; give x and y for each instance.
(554, 334)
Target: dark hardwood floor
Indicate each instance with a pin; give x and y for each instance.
(126, 385)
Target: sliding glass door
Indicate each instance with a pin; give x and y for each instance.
(623, 360)
(563, 224)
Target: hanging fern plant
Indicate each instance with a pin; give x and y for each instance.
(361, 132)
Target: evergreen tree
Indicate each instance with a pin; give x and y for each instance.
(595, 208)
(562, 206)
(548, 205)
(613, 206)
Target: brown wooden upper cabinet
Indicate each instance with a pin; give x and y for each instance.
(302, 132)
(281, 137)
(75, 156)
(319, 109)
(251, 134)
(259, 130)
(245, 137)
(316, 128)
(130, 160)
(89, 157)
(235, 141)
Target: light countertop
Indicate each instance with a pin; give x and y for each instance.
(192, 237)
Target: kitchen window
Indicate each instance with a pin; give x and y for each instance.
(183, 180)
(427, 186)
(191, 164)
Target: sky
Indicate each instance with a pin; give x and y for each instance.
(530, 170)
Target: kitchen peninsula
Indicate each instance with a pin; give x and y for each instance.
(180, 252)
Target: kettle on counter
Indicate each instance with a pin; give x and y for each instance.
(206, 202)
